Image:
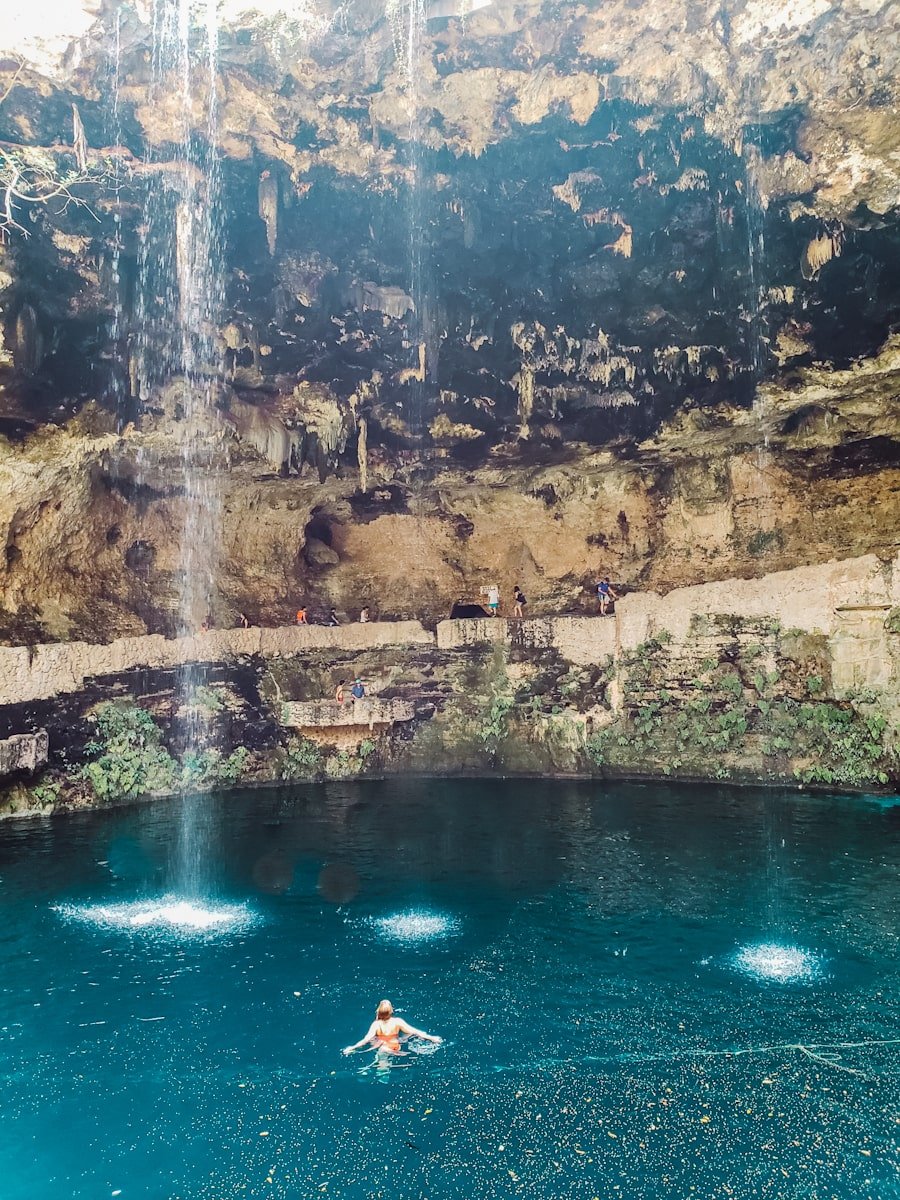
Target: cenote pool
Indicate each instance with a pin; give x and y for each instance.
(644, 991)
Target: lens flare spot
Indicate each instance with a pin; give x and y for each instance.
(168, 914)
(780, 964)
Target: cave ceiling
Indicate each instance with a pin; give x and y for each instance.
(526, 226)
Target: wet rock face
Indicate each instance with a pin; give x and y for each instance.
(616, 230)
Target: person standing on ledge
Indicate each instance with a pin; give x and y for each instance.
(384, 1032)
(493, 595)
(358, 690)
(339, 692)
(519, 609)
(605, 593)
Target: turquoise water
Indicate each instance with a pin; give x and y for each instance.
(590, 954)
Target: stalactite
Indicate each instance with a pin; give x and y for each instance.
(268, 207)
(79, 140)
(362, 455)
(525, 387)
(823, 247)
(392, 301)
(28, 348)
(417, 373)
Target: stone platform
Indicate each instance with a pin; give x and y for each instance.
(23, 752)
(330, 714)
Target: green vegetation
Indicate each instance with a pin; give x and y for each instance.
(722, 717)
(494, 726)
(198, 769)
(300, 759)
(232, 768)
(45, 793)
(206, 698)
(595, 748)
(130, 760)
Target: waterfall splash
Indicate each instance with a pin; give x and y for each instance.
(778, 963)
(414, 926)
(177, 351)
(168, 916)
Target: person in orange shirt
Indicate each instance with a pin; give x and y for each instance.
(301, 615)
(384, 1032)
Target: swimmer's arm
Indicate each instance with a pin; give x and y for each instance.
(413, 1032)
(370, 1037)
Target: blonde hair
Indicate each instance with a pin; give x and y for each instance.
(385, 1010)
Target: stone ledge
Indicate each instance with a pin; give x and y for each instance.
(581, 640)
(328, 714)
(844, 597)
(40, 672)
(23, 752)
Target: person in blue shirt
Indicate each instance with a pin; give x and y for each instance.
(357, 691)
(605, 594)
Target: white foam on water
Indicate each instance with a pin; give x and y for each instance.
(415, 925)
(423, 1049)
(168, 914)
(780, 964)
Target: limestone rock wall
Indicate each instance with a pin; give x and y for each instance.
(23, 752)
(91, 552)
(42, 672)
(606, 290)
(795, 677)
(652, 331)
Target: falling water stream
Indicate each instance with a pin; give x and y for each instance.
(758, 297)
(181, 291)
(117, 324)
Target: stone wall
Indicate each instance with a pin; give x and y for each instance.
(579, 639)
(330, 714)
(808, 598)
(40, 672)
(848, 601)
(793, 677)
(23, 752)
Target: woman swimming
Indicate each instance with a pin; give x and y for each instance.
(384, 1032)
